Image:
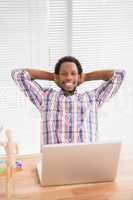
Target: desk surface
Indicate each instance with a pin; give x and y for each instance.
(26, 184)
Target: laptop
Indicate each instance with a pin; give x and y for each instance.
(63, 164)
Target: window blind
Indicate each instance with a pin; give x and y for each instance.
(85, 30)
(35, 33)
(57, 30)
(23, 44)
(102, 37)
(96, 32)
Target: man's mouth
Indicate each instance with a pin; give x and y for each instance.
(68, 84)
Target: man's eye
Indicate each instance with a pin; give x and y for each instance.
(73, 74)
(63, 74)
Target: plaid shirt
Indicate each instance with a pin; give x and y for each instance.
(71, 119)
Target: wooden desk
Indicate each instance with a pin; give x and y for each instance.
(27, 186)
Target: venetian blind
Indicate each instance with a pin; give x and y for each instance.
(23, 44)
(57, 30)
(96, 32)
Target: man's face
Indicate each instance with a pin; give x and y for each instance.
(68, 76)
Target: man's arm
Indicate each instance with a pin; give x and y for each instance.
(40, 74)
(24, 78)
(97, 75)
(112, 82)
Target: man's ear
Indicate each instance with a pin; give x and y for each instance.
(56, 79)
(80, 78)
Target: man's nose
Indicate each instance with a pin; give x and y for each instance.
(69, 77)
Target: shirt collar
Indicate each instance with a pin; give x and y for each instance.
(62, 92)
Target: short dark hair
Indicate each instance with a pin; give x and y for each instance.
(68, 59)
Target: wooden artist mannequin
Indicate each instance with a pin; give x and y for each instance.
(11, 149)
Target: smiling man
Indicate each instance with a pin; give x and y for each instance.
(68, 78)
(66, 115)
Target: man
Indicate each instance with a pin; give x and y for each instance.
(66, 115)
